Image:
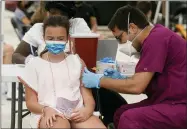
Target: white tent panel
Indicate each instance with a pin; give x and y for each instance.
(2, 8)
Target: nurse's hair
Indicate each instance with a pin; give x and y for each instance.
(144, 6)
(120, 18)
(56, 21)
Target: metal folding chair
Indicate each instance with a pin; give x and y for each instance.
(20, 30)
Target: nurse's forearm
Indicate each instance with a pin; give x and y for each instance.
(133, 85)
(126, 86)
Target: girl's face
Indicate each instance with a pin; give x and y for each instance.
(55, 34)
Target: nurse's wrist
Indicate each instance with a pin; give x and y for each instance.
(100, 82)
(100, 78)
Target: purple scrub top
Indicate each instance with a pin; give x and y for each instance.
(164, 53)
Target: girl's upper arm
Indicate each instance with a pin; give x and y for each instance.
(87, 95)
(30, 94)
(84, 91)
(29, 75)
(83, 66)
(29, 79)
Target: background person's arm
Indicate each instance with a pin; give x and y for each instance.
(93, 19)
(21, 52)
(30, 39)
(26, 21)
(22, 17)
(93, 23)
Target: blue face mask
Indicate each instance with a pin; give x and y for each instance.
(55, 47)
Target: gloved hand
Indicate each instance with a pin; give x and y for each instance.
(107, 60)
(114, 74)
(91, 80)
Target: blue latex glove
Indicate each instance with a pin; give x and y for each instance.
(91, 80)
(111, 73)
(107, 60)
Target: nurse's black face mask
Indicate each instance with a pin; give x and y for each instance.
(119, 37)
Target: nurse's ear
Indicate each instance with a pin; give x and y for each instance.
(133, 29)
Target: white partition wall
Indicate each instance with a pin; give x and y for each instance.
(2, 8)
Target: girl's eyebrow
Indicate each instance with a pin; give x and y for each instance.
(61, 36)
(50, 36)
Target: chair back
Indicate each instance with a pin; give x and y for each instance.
(17, 27)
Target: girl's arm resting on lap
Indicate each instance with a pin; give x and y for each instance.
(88, 99)
(32, 101)
(36, 108)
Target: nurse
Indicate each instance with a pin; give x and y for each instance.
(160, 73)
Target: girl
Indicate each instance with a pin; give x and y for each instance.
(54, 93)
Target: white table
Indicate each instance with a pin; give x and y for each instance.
(10, 73)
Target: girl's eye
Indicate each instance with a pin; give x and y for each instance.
(61, 39)
(50, 38)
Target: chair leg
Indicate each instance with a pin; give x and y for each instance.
(23, 110)
(27, 113)
(20, 104)
(13, 105)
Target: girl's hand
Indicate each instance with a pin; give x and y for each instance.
(50, 116)
(80, 115)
